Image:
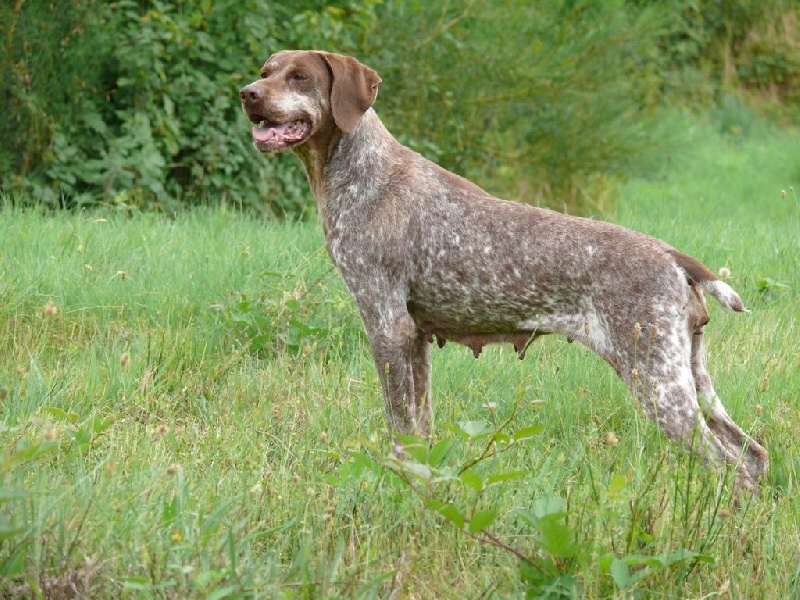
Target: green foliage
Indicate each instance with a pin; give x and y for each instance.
(288, 316)
(562, 560)
(143, 110)
(134, 103)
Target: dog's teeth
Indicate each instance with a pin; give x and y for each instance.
(263, 123)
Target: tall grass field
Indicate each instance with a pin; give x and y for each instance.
(189, 409)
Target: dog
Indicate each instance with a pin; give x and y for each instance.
(429, 255)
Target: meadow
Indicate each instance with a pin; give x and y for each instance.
(188, 409)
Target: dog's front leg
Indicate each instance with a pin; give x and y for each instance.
(402, 358)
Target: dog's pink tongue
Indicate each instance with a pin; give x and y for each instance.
(268, 134)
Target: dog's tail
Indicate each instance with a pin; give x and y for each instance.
(697, 271)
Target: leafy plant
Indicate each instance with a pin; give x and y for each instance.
(462, 495)
(289, 316)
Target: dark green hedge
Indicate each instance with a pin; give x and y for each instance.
(134, 103)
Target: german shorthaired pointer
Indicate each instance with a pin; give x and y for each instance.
(428, 254)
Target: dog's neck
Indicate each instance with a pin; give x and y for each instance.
(336, 163)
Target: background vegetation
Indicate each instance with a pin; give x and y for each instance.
(134, 102)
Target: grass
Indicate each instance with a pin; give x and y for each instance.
(188, 409)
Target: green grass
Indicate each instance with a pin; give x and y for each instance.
(188, 409)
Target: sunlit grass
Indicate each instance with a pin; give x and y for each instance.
(147, 452)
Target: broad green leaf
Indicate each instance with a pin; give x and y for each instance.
(416, 469)
(481, 520)
(473, 428)
(439, 451)
(557, 538)
(527, 432)
(617, 484)
(224, 592)
(60, 414)
(472, 480)
(548, 506)
(448, 511)
(508, 476)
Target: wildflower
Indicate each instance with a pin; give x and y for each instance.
(176, 536)
(612, 439)
(122, 275)
(783, 194)
(50, 309)
(759, 410)
(724, 272)
(88, 267)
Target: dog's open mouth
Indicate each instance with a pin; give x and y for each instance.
(274, 137)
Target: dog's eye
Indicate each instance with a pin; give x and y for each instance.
(298, 77)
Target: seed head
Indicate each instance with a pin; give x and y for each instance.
(653, 331)
(122, 275)
(637, 331)
(783, 193)
(612, 439)
(724, 272)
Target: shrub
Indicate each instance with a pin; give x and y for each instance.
(141, 108)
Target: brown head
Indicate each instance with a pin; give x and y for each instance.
(302, 94)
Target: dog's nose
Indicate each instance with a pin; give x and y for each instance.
(250, 93)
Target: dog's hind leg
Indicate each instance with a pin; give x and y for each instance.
(753, 455)
(670, 400)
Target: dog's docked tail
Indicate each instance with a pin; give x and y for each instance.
(697, 271)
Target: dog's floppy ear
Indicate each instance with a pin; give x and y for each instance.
(353, 90)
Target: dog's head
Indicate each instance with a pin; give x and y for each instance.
(301, 93)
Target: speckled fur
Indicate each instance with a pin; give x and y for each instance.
(428, 255)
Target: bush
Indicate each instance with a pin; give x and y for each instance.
(142, 108)
(134, 102)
